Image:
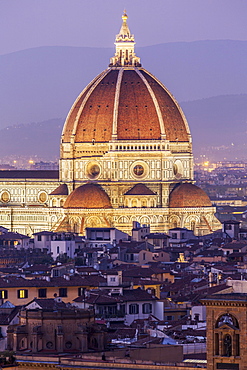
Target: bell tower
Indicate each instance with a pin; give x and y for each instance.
(226, 331)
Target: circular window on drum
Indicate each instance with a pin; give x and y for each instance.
(93, 170)
(139, 170)
(5, 197)
(178, 169)
(42, 197)
(49, 345)
(68, 345)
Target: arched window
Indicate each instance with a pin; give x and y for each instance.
(227, 325)
(227, 345)
(227, 319)
(144, 203)
(147, 308)
(237, 341)
(216, 344)
(134, 203)
(95, 343)
(79, 343)
(133, 309)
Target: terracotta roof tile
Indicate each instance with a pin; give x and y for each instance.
(175, 128)
(137, 295)
(62, 189)
(137, 117)
(95, 121)
(187, 195)
(18, 282)
(30, 174)
(88, 196)
(49, 304)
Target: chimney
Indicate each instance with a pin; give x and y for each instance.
(87, 293)
(120, 277)
(211, 279)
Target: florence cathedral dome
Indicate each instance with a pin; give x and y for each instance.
(125, 111)
(125, 156)
(126, 147)
(125, 102)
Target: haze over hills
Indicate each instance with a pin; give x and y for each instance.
(208, 77)
(36, 139)
(218, 126)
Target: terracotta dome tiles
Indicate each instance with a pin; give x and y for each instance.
(137, 116)
(187, 195)
(69, 124)
(175, 128)
(95, 121)
(88, 196)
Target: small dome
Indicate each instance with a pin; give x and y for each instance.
(88, 196)
(188, 195)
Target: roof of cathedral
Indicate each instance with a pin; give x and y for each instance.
(30, 174)
(140, 189)
(130, 104)
(125, 102)
(62, 189)
(187, 195)
(88, 196)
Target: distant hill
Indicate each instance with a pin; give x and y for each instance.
(40, 139)
(218, 126)
(40, 83)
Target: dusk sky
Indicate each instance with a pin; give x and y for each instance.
(33, 23)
